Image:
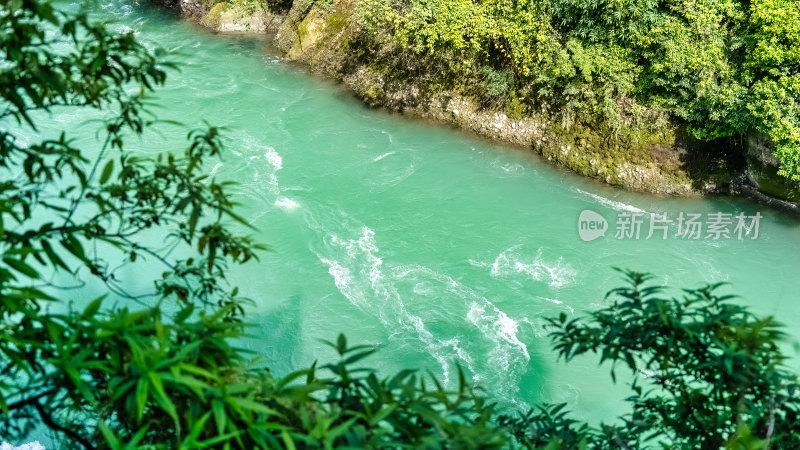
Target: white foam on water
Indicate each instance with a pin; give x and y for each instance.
(388, 135)
(619, 206)
(274, 158)
(497, 324)
(392, 176)
(512, 262)
(426, 308)
(391, 171)
(286, 203)
(516, 169)
(567, 393)
(498, 343)
(378, 158)
(215, 169)
(358, 275)
(713, 273)
(257, 171)
(343, 280)
(558, 302)
(509, 168)
(35, 445)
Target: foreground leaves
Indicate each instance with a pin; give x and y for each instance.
(706, 372)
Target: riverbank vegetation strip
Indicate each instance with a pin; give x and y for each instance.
(724, 70)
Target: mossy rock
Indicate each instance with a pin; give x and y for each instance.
(767, 180)
(214, 16)
(762, 170)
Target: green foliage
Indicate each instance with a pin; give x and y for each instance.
(241, 8)
(706, 373)
(548, 426)
(146, 380)
(773, 61)
(724, 68)
(358, 409)
(496, 83)
(77, 216)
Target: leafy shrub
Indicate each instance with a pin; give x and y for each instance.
(706, 372)
(496, 83)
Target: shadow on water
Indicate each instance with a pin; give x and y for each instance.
(276, 335)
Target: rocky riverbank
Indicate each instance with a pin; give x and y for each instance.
(658, 157)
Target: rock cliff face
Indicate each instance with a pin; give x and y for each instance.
(225, 18)
(761, 179)
(188, 8)
(569, 148)
(662, 161)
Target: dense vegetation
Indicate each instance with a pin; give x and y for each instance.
(164, 371)
(723, 70)
(726, 68)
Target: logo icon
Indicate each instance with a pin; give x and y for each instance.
(591, 225)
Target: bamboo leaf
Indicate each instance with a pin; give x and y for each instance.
(107, 171)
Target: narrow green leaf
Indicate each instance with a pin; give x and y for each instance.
(161, 395)
(109, 436)
(21, 267)
(53, 256)
(220, 415)
(107, 171)
(92, 308)
(142, 392)
(288, 441)
(251, 405)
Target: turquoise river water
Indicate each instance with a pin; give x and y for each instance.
(440, 247)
